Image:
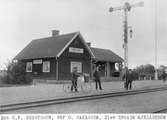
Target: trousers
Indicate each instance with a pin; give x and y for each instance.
(98, 82)
(74, 85)
(129, 84)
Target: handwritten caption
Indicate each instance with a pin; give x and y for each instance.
(84, 117)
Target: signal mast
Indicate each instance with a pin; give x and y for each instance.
(126, 8)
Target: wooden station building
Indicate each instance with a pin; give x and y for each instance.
(53, 58)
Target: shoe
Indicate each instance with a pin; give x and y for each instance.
(101, 89)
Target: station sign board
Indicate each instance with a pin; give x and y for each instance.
(37, 61)
(75, 50)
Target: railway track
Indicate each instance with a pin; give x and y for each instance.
(162, 110)
(10, 107)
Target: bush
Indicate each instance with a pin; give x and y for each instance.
(16, 74)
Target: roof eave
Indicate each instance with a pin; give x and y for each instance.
(89, 49)
(62, 50)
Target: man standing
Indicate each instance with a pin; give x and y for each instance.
(74, 78)
(129, 79)
(124, 77)
(96, 76)
(164, 76)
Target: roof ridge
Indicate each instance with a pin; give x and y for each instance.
(39, 47)
(116, 54)
(108, 51)
(104, 49)
(56, 36)
(101, 48)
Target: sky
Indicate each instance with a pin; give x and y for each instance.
(21, 21)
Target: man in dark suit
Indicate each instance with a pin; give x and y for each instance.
(96, 76)
(124, 77)
(129, 79)
(164, 76)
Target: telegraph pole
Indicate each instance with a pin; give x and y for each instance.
(156, 66)
(126, 8)
(126, 35)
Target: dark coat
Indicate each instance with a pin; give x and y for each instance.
(129, 77)
(163, 75)
(74, 76)
(96, 75)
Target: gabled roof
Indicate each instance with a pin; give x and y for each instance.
(105, 55)
(45, 47)
(54, 46)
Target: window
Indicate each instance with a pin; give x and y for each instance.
(46, 66)
(77, 65)
(29, 67)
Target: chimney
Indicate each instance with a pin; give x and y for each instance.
(55, 32)
(89, 44)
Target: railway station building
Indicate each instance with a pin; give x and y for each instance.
(54, 57)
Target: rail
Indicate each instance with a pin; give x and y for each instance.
(9, 107)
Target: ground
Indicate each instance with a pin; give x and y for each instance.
(133, 103)
(139, 103)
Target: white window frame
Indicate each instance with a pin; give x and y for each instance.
(76, 64)
(29, 64)
(46, 63)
